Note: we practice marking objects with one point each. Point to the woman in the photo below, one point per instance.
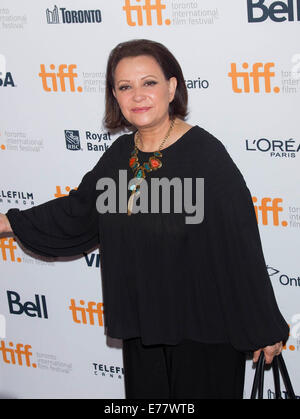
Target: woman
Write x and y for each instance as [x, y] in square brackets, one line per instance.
[189, 299]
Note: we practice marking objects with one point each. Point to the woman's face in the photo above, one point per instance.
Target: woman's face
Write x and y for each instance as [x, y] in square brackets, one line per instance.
[142, 91]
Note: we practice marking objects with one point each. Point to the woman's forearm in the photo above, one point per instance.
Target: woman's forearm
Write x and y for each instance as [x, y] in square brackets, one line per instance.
[5, 226]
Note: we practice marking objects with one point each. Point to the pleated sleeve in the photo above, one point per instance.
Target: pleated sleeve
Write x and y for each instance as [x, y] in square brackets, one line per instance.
[65, 226]
[252, 317]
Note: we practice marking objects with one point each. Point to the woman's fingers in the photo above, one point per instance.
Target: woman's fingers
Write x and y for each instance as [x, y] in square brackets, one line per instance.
[256, 355]
[269, 351]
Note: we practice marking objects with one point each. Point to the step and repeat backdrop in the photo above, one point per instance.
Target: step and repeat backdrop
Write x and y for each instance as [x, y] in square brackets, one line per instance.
[241, 63]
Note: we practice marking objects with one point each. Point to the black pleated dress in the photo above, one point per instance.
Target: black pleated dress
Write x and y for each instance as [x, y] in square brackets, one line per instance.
[166, 280]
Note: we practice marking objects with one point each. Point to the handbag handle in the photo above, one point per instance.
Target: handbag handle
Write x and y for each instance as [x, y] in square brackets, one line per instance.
[258, 382]
[286, 377]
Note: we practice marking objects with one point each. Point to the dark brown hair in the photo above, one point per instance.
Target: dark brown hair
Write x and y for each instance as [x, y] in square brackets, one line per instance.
[113, 117]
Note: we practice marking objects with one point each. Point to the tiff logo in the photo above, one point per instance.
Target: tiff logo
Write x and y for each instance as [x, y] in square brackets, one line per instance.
[58, 80]
[8, 248]
[59, 193]
[93, 310]
[259, 71]
[265, 209]
[140, 14]
[18, 355]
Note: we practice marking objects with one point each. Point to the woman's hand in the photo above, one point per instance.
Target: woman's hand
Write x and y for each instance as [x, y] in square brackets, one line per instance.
[5, 226]
[269, 351]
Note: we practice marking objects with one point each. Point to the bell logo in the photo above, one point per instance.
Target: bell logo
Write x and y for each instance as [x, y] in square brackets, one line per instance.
[36, 309]
[140, 14]
[79, 314]
[278, 11]
[269, 205]
[18, 355]
[58, 80]
[259, 71]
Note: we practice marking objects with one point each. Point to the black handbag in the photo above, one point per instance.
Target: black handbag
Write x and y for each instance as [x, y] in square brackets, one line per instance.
[278, 364]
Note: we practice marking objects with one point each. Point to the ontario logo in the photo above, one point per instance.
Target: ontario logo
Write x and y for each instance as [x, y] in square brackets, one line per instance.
[63, 15]
[284, 279]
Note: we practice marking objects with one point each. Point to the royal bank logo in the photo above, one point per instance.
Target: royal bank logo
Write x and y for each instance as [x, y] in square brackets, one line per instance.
[62, 15]
[72, 140]
[94, 141]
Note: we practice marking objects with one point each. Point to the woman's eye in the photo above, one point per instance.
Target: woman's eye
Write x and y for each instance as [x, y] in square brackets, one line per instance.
[151, 82]
[124, 87]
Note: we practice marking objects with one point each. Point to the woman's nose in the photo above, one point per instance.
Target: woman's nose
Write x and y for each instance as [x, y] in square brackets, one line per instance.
[138, 94]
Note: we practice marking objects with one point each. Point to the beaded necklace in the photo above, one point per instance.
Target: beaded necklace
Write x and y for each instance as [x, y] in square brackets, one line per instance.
[139, 170]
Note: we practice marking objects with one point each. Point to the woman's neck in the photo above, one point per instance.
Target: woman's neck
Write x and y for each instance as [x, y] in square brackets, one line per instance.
[150, 138]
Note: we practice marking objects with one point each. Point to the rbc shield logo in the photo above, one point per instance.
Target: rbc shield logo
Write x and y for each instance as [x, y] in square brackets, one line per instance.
[72, 140]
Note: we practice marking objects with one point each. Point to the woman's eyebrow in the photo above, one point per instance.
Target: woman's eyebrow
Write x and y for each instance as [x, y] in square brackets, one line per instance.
[149, 75]
[144, 77]
[119, 81]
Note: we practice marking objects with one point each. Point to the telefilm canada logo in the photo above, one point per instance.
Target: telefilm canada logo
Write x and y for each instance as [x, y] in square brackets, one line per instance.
[105, 370]
[63, 15]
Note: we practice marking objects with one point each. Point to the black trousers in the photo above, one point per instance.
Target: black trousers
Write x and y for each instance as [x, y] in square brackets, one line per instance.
[188, 370]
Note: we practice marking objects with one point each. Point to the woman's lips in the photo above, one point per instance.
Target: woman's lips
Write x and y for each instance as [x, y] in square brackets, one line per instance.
[140, 110]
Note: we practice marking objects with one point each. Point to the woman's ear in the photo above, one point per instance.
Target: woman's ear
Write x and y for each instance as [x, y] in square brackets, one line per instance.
[172, 88]
[114, 93]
